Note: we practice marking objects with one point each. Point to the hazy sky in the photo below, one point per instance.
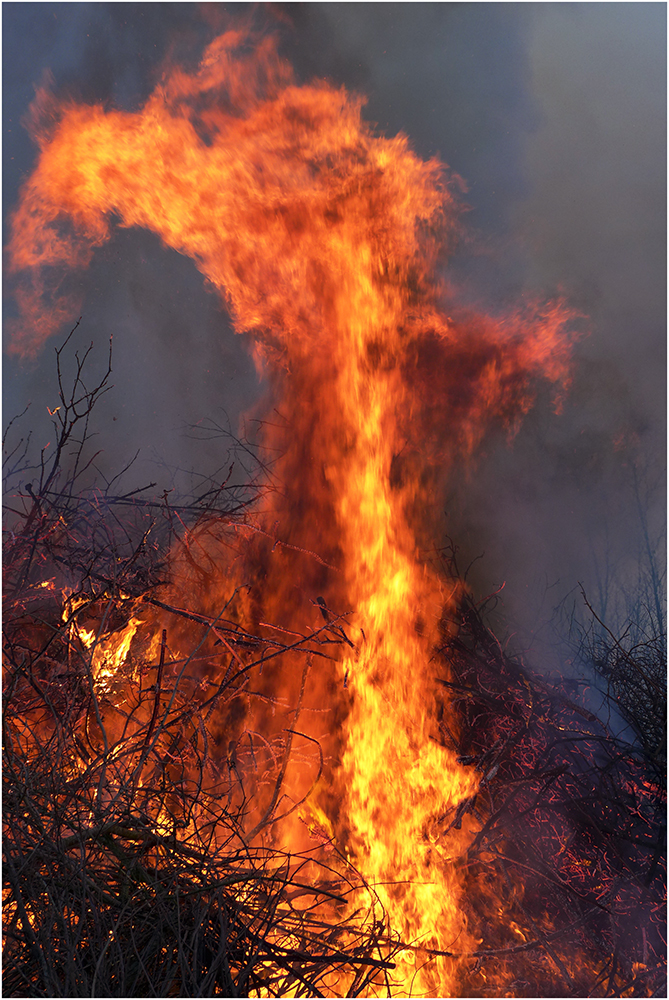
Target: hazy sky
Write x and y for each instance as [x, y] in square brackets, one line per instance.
[555, 116]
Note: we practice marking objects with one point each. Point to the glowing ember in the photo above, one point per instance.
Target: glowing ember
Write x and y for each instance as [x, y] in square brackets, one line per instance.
[321, 236]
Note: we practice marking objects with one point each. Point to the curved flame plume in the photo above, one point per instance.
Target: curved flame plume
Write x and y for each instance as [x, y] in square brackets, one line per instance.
[323, 238]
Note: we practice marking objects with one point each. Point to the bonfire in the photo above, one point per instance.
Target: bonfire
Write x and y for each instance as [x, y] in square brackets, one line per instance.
[263, 742]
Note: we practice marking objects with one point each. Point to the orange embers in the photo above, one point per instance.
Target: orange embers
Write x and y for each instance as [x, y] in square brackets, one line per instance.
[323, 239]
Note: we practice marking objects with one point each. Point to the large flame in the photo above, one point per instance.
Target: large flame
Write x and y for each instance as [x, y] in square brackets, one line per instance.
[323, 239]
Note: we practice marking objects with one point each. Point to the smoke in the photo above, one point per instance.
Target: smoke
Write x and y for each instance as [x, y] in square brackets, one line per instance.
[572, 500]
[554, 115]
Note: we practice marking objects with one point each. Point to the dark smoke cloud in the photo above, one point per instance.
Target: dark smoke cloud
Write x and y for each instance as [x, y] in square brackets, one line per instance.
[554, 114]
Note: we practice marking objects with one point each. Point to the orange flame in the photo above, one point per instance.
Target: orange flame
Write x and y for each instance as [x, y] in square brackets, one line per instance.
[324, 240]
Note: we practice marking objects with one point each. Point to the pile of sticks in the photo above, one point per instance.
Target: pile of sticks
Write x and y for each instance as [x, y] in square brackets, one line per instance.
[137, 850]
[140, 854]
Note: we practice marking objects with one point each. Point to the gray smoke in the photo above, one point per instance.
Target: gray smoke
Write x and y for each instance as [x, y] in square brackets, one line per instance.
[555, 116]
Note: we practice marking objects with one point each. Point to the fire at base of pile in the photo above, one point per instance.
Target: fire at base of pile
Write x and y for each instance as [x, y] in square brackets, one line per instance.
[322, 628]
[151, 774]
[139, 850]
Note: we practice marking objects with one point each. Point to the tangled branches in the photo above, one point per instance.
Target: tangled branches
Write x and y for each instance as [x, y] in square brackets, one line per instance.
[151, 758]
[138, 801]
[130, 870]
[128, 860]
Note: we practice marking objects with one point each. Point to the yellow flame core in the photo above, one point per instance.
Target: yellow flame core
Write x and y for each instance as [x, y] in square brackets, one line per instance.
[397, 779]
[109, 651]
